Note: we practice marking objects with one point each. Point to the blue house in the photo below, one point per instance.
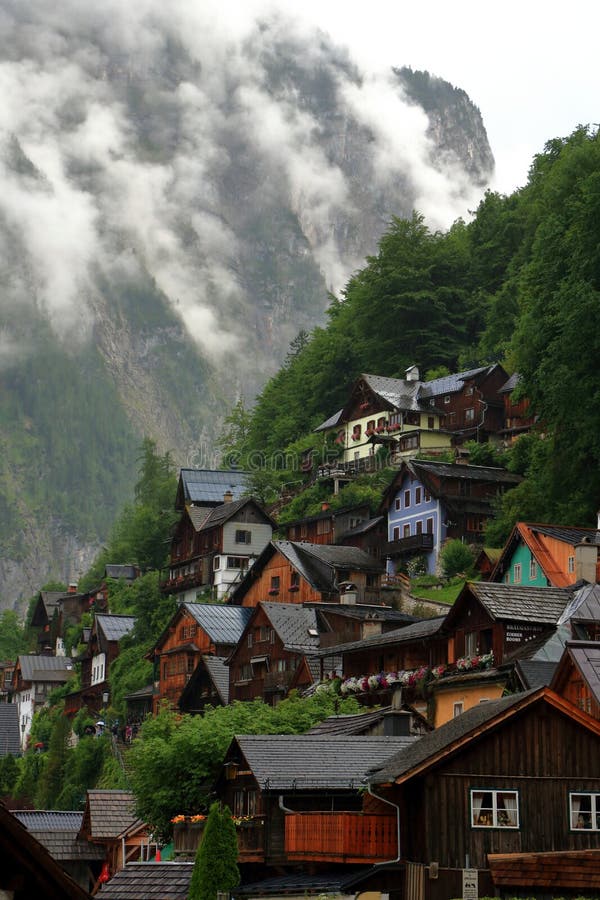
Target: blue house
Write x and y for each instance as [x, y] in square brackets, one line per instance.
[430, 502]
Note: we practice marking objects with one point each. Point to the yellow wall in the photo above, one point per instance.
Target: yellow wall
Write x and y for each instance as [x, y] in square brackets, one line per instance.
[468, 695]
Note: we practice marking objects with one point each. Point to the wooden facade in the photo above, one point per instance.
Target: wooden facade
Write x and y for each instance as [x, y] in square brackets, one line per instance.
[472, 404]
[328, 526]
[576, 676]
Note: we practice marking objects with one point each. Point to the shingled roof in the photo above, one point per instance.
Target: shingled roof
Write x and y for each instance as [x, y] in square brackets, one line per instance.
[203, 519]
[10, 738]
[149, 881]
[286, 762]
[114, 627]
[223, 624]
[422, 630]
[45, 668]
[293, 624]
[57, 831]
[107, 814]
[519, 603]
[207, 487]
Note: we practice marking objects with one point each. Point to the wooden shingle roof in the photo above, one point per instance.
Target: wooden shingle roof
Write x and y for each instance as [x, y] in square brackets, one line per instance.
[421, 630]
[314, 762]
[107, 814]
[43, 668]
[513, 602]
[57, 831]
[149, 881]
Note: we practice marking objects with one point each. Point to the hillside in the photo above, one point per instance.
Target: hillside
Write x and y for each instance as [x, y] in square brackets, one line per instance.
[174, 210]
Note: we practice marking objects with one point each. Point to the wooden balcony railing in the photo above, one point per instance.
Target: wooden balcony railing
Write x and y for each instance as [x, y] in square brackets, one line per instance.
[251, 840]
[348, 837]
[409, 544]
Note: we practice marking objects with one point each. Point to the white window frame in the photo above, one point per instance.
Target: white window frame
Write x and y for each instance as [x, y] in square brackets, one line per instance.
[533, 569]
[593, 822]
[571, 565]
[517, 573]
[458, 708]
[493, 812]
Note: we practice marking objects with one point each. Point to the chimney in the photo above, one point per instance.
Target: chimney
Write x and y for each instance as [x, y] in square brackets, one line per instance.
[324, 506]
[412, 373]
[227, 497]
[72, 588]
[586, 560]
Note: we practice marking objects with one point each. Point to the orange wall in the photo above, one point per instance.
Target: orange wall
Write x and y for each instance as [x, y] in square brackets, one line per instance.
[279, 566]
[467, 695]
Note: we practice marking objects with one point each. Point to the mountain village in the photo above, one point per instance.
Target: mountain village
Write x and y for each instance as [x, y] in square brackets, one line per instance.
[473, 766]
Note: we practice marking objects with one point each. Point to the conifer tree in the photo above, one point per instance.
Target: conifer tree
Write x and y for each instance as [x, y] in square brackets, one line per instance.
[215, 866]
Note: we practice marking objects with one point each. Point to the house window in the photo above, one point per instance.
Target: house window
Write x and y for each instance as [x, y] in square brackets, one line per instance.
[396, 534]
[216, 563]
[585, 811]
[397, 504]
[249, 638]
[237, 562]
[295, 581]
[275, 581]
[419, 526]
[469, 415]
[406, 499]
[417, 495]
[447, 399]
[427, 496]
[494, 809]
[303, 531]
[409, 443]
[471, 643]
[243, 537]
[469, 391]
[406, 531]
[459, 709]
[430, 526]
[430, 422]
[452, 418]
[571, 564]
[532, 569]
[517, 573]
[356, 431]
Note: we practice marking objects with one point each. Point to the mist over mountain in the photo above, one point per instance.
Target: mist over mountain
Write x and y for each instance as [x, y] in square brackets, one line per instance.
[179, 192]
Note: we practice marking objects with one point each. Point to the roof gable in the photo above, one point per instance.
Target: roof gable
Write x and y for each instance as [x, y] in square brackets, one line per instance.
[107, 814]
[511, 602]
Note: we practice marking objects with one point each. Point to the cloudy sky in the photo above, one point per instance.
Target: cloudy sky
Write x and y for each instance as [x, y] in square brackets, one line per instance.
[530, 65]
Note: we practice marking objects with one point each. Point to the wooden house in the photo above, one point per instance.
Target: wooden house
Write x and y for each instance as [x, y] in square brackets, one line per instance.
[28, 870]
[109, 820]
[208, 685]
[343, 624]
[34, 679]
[58, 831]
[328, 526]
[273, 643]
[212, 548]
[519, 775]
[42, 618]
[499, 618]
[577, 676]
[292, 572]
[7, 667]
[196, 630]
[471, 401]
[101, 651]
[300, 799]
[519, 418]
[206, 488]
[428, 503]
[553, 555]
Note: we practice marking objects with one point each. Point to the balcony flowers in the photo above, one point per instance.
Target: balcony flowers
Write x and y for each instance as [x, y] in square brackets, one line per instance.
[178, 820]
[244, 821]
[471, 663]
[196, 819]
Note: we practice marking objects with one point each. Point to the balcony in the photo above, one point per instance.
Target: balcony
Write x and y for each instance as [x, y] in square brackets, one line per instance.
[413, 544]
[345, 837]
[276, 681]
[251, 840]
[181, 583]
[349, 469]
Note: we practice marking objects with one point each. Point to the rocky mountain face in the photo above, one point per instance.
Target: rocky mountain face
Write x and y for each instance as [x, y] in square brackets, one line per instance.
[177, 199]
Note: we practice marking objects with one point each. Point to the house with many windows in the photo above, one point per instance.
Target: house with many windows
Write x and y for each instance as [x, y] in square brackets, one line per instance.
[429, 502]
[212, 548]
[556, 555]
[101, 650]
[514, 779]
[34, 679]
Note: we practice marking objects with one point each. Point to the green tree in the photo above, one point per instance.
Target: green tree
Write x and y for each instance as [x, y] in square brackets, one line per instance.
[13, 640]
[456, 558]
[215, 866]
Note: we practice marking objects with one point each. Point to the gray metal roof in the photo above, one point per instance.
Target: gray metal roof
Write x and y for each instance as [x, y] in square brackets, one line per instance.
[223, 513]
[422, 630]
[209, 485]
[288, 762]
[584, 606]
[49, 819]
[292, 622]
[10, 738]
[401, 394]
[450, 384]
[149, 881]
[543, 605]
[535, 673]
[572, 536]
[114, 627]
[36, 668]
[586, 657]
[546, 647]
[341, 557]
[129, 573]
[463, 472]
[223, 624]
[362, 528]
[219, 675]
[331, 422]
[443, 737]
[511, 384]
[351, 724]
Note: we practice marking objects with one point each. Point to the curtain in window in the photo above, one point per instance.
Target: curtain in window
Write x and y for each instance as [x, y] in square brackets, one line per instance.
[476, 801]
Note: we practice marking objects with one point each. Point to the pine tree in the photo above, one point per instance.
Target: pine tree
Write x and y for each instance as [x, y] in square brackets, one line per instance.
[215, 866]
